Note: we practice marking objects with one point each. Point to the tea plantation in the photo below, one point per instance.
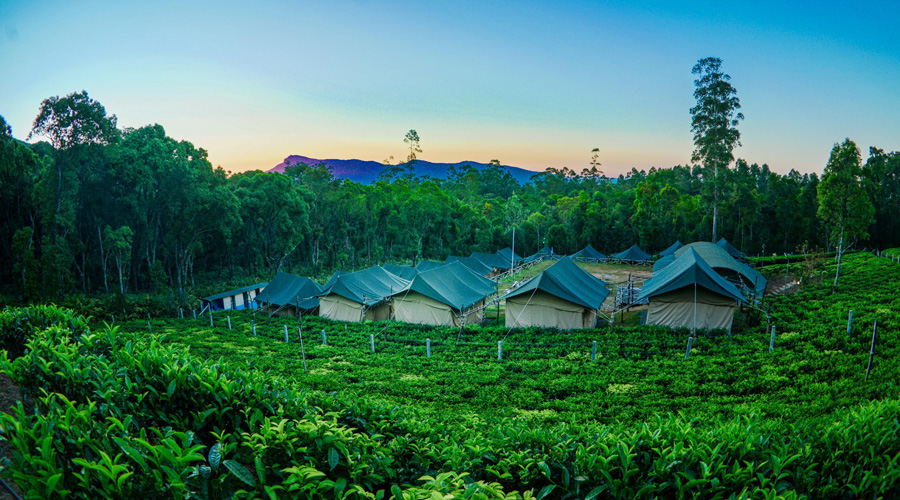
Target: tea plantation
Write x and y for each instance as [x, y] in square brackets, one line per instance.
[186, 410]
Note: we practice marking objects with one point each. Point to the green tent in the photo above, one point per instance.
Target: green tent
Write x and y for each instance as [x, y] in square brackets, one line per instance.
[491, 260]
[405, 272]
[689, 293]
[427, 265]
[734, 252]
[663, 262]
[564, 296]
[588, 254]
[633, 254]
[727, 266]
[472, 263]
[543, 254]
[290, 292]
[450, 295]
[671, 250]
[360, 296]
[507, 255]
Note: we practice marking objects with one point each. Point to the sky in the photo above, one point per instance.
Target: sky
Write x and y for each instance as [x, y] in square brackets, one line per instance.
[532, 84]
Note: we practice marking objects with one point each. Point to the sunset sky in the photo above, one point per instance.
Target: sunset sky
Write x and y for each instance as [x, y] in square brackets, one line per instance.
[533, 84]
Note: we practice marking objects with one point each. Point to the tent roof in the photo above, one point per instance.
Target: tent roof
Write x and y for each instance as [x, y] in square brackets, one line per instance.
[405, 272]
[545, 252]
[236, 291]
[734, 252]
[332, 279]
[569, 282]
[689, 268]
[427, 265]
[475, 265]
[588, 253]
[634, 253]
[718, 258]
[671, 250]
[452, 284]
[287, 289]
[369, 286]
[506, 254]
[663, 262]
[491, 260]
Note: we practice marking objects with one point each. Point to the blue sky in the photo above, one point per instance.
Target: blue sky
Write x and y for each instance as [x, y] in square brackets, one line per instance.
[533, 84]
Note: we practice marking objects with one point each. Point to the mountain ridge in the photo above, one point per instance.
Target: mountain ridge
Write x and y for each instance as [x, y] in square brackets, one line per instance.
[366, 171]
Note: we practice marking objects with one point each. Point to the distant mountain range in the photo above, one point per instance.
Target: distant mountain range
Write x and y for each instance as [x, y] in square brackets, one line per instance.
[366, 171]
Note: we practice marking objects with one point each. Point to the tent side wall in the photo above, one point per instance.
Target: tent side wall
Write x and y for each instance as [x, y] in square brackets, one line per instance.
[380, 312]
[545, 310]
[676, 309]
[414, 307]
[341, 309]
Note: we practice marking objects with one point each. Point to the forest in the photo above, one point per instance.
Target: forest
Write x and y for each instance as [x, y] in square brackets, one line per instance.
[95, 208]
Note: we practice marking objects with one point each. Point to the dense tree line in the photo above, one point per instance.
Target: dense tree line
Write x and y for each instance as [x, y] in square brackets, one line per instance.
[96, 208]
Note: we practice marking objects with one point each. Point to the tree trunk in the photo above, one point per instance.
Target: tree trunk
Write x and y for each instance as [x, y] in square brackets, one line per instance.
[102, 259]
[840, 253]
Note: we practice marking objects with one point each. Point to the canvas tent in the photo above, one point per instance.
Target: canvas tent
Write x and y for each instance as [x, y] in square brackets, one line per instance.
[405, 272]
[450, 295]
[543, 254]
[671, 250]
[290, 294]
[332, 279]
[474, 265]
[727, 266]
[734, 252]
[507, 255]
[633, 254]
[359, 296]
[491, 260]
[564, 296]
[663, 262]
[240, 298]
[427, 265]
[588, 254]
[689, 293]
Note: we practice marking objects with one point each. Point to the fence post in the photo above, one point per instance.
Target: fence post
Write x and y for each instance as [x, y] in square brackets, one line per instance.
[772, 340]
[253, 326]
[302, 352]
[372, 341]
[210, 319]
[229, 322]
[499, 350]
[427, 347]
[687, 353]
[181, 313]
[594, 351]
[849, 321]
[148, 327]
[324, 342]
[195, 314]
[113, 316]
[286, 339]
[872, 349]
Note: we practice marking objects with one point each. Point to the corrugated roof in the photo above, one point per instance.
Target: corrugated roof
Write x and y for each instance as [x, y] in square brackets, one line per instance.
[293, 290]
[369, 286]
[569, 282]
[633, 254]
[689, 268]
[452, 284]
[236, 291]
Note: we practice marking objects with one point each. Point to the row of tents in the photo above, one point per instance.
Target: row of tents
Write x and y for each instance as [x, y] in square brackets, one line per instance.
[564, 296]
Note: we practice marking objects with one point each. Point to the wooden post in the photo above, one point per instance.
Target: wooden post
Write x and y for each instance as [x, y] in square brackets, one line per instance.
[594, 352]
[772, 340]
[372, 341]
[253, 326]
[872, 349]
[210, 319]
[427, 347]
[229, 322]
[148, 327]
[499, 350]
[324, 341]
[195, 314]
[849, 321]
[286, 339]
[687, 353]
[302, 352]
